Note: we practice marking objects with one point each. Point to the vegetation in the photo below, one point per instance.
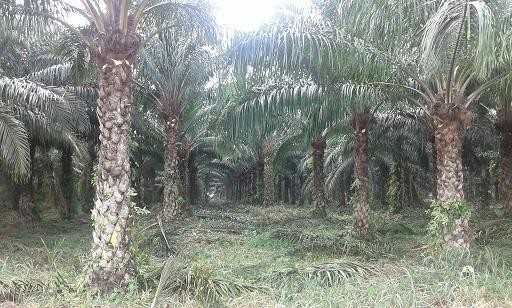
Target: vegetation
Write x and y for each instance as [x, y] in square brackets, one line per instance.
[354, 153]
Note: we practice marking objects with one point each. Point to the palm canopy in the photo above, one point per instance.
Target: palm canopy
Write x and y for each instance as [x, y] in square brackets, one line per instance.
[176, 69]
[33, 106]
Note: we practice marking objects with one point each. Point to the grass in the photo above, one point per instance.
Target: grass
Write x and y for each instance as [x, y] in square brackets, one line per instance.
[273, 257]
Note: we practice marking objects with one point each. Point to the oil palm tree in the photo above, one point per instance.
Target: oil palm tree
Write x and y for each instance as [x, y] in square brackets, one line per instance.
[176, 69]
[113, 39]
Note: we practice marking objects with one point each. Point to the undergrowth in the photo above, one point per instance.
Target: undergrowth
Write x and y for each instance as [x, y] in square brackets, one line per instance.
[265, 257]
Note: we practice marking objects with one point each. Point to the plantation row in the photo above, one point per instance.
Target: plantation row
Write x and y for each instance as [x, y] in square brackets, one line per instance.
[381, 104]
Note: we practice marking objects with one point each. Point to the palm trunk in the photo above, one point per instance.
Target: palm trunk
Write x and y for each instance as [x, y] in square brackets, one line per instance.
[26, 201]
[172, 200]
[319, 199]
[183, 155]
[67, 183]
[450, 178]
[343, 200]
[268, 176]
[260, 186]
[506, 171]
[193, 185]
[434, 165]
[504, 126]
[112, 262]
[360, 124]
[88, 189]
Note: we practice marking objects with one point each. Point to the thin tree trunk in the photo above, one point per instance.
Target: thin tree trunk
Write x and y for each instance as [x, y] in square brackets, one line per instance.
[506, 171]
[183, 156]
[172, 199]
[26, 202]
[343, 200]
[504, 126]
[360, 124]
[434, 165]
[484, 186]
[268, 176]
[260, 186]
[67, 182]
[319, 199]
[193, 185]
[450, 178]
[112, 262]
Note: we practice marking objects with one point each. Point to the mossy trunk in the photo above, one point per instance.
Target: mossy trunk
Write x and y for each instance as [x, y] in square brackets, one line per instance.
[112, 263]
[360, 123]
[450, 177]
[319, 198]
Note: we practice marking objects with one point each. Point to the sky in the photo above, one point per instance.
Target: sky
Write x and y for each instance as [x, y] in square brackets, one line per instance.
[247, 15]
[235, 15]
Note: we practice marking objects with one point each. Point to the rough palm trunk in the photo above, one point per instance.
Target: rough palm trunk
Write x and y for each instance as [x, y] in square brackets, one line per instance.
[172, 200]
[88, 188]
[360, 124]
[343, 200]
[319, 199]
[183, 156]
[26, 202]
[112, 263]
[450, 178]
[260, 186]
[268, 176]
[193, 185]
[67, 183]
[434, 165]
[504, 126]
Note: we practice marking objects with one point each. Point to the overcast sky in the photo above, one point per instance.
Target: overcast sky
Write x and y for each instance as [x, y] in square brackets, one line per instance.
[245, 15]
[242, 15]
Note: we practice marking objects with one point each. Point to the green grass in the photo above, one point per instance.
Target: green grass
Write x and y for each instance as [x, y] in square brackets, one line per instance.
[253, 257]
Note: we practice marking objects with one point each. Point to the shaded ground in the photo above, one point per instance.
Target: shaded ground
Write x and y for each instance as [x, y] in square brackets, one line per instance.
[253, 257]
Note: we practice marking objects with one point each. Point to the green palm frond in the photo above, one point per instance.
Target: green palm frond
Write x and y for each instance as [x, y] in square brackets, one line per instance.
[453, 28]
[14, 144]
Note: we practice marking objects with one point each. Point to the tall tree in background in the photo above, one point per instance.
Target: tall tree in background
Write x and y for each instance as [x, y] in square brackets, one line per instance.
[177, 68]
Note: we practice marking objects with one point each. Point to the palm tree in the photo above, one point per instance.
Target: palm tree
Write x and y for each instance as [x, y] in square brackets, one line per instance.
[176, 69]
[113, 40]
[308, 52]
[445, 80]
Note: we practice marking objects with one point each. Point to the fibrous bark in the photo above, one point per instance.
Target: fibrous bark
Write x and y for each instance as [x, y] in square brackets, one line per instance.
[172, 200]
[112, 263]
[450, 177]
[360, 123]
[319, 199]
[183, 155]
